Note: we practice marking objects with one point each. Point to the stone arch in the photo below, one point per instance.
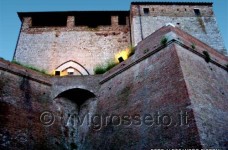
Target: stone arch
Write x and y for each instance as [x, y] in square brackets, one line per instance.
[74, 106]
[77, 95]
[57, 91]
[73, 64]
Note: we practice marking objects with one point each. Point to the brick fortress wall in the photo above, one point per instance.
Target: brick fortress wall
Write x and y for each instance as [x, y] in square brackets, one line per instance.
[204, 26]
[24, 94]
[48, 47]
[168, 80]
[165, 79]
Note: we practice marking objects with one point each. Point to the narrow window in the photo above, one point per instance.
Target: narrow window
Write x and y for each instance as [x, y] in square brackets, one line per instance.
[197, 12]
[70, 71]
[146, 11]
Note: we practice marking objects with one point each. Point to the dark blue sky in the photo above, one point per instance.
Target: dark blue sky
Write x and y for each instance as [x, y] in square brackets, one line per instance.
[10, 23]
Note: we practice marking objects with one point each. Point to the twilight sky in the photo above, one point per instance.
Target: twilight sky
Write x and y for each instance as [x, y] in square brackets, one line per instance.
[10, 23]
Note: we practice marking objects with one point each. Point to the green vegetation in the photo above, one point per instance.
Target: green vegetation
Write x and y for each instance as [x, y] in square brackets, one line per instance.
[110, 64]
[99, 69]
[164, 40]
[193, 46]
[146, 50]
[207, 56]
[102, 68]
[29, 67]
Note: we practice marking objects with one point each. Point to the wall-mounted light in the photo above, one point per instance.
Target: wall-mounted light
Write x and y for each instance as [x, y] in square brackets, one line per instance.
[120, 59]
[122, 55]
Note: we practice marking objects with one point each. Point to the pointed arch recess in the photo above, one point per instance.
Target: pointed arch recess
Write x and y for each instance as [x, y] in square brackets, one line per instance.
[71, 63]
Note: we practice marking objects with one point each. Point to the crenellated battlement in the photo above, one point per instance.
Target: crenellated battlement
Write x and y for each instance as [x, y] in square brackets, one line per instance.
[91, 38]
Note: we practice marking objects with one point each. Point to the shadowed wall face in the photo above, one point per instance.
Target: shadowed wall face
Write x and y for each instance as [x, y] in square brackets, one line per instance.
[207, 85]
[22, 100]
[72, 108]
[149, 87]
[22, 103]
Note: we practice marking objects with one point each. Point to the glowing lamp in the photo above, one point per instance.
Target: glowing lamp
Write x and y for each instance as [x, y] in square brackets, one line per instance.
[122, 55]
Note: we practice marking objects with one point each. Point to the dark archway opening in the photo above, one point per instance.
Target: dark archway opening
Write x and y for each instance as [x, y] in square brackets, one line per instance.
[78, 96]
[74, 106]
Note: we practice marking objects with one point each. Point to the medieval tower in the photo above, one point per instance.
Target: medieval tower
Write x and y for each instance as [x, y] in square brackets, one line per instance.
[44, 37]
[166, 85]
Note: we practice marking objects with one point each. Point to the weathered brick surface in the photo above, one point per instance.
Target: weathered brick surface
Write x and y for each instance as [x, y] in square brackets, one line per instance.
[22, 99]
[168, 81]
[189, 40]
[47, 48]
[203, 27]
[146, 88]
[90, 83]
[207, 85]
[153, 41]
[152, 44]
[24, 72]
[172, 10]
[26, 94]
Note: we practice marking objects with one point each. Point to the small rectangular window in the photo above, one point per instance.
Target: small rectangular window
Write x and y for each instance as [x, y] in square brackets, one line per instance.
[146, 11]
[197, 12]
[57, 73]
